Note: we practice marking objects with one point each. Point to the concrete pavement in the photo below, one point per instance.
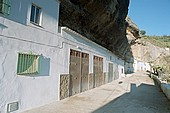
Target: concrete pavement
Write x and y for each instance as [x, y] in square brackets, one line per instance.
[134, 94]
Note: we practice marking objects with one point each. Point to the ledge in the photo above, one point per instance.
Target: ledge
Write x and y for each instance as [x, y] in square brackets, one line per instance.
[165, 87]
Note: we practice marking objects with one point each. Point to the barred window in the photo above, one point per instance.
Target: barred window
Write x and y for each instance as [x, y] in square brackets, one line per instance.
[5, 6]
[28, 64]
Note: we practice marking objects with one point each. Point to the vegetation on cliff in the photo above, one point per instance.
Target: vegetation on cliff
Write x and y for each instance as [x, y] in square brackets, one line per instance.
[162, 61]
[161, 41]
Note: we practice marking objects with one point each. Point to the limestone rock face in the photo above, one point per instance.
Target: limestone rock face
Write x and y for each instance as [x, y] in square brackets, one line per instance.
[132, 31]
[102, 21]
[143, 50]
[147, 52]
[132, 34]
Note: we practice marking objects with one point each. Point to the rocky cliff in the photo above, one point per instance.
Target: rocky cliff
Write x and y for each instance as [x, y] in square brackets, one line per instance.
[132, 34]
[102, 21]
[147, 52]
[147, 49]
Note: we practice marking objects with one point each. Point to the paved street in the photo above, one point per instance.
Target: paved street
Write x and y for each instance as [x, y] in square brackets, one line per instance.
[136, 93]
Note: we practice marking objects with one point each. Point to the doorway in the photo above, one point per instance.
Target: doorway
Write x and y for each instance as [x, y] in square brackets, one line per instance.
[98, 71]
[79, 70]
[110, 74]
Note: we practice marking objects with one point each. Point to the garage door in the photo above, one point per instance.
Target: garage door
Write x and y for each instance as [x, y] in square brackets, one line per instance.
[85, 71]
[98, 71]
[79, 69]
[110, 74]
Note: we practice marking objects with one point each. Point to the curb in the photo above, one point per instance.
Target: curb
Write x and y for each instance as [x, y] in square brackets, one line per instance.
[165, 87]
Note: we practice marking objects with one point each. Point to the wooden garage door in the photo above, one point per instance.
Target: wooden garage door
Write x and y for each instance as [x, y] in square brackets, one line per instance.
[75, 72]
[110, 74]
[116, 73]
[79, 69]
[98, 71]
[101, 78]
[85, 71]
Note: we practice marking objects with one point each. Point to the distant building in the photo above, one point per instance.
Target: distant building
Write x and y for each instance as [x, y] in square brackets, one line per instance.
[167, 49]
[141, 66]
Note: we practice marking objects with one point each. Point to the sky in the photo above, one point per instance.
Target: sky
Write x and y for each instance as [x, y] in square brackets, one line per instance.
[153, 16]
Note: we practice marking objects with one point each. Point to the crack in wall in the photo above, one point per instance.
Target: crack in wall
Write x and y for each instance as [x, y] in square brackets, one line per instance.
[2, 99]
[3, 69]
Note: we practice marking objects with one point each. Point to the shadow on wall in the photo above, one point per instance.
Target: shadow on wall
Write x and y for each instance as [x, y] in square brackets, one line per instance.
[2, 26]
[142, 99]
[44, 66]
[129, 40]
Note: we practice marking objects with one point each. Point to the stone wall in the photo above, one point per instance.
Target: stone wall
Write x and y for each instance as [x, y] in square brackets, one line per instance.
[64, 85]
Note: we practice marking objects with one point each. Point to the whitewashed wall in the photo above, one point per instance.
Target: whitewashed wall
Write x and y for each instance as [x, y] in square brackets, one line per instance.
[17, 34]
[84, 45]
[135, 65]
[129, 67]
[141, 66]
[121, 69]
[20, 12]
[33, 91]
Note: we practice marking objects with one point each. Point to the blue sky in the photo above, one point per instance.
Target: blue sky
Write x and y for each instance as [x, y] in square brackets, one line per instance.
[153, 16]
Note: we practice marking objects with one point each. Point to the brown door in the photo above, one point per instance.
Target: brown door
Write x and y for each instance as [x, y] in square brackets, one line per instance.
[75, 72]
[110, 74]
[95, 71]
[79, 69]
[85, 71]
[116, 73]
[100, 66]
[98, 71]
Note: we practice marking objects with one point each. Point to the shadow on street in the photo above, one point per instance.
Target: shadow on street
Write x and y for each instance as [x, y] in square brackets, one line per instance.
[142, 99]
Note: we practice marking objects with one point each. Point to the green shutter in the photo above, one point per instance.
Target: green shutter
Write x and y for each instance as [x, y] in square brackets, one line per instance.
[1, 6]
[8, 7]
[5, 7]
[28, 64]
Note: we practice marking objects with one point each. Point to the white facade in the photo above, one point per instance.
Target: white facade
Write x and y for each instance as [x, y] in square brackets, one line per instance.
[129, 67]
[18, 34]
[78, 42]
[141, 66]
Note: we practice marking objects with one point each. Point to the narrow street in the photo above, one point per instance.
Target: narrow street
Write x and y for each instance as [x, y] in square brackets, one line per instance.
[136, 93]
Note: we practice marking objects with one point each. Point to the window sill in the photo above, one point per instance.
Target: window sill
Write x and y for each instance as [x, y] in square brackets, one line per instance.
[4, 14]
[36, 24]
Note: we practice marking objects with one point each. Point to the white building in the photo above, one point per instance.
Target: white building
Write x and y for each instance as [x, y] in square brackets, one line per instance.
[36, 61]
[129, 68]
[141, 66]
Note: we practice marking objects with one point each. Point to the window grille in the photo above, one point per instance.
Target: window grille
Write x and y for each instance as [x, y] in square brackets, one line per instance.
[28, 64]
[5, 6]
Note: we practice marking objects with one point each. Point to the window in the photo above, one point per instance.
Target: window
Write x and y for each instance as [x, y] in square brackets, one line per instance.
[35, 14]
[5, 7]
[122, 70]
[28, 64]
